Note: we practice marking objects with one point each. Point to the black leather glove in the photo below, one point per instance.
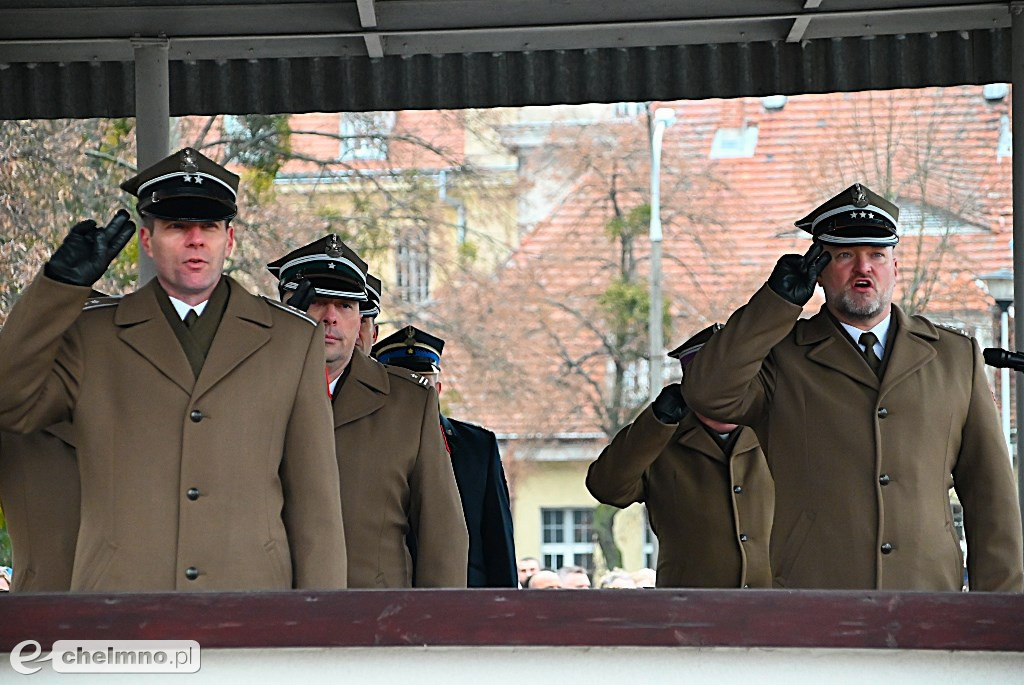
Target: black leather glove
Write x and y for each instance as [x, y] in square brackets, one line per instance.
[795, 276]
[89, 249]
[669, 407]
[303, 296]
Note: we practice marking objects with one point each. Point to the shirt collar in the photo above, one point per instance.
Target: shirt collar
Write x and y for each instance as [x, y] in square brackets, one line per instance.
[182, 307]
[881, 332]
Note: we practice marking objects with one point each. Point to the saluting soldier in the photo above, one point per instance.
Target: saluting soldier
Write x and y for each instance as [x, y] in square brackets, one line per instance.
[477, 464]
[706, 484]
[201, 423]
[396, 478]
[867, 417]
[40, 497]
[369, 311]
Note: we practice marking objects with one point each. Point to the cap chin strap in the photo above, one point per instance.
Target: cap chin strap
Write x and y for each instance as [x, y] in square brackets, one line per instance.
[829, 239]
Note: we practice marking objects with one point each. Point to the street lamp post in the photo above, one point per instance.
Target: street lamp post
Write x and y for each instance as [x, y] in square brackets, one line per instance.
[663, 117]
[1000, 287]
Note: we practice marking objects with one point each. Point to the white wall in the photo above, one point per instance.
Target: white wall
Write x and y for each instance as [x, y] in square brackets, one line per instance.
[517, 665]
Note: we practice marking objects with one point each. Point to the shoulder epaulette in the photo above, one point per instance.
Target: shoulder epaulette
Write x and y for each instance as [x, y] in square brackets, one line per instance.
[290, 309]
[408, 375]
[954, 329]
[100, 302]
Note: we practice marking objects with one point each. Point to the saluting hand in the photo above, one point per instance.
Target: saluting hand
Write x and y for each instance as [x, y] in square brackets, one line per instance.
[89, 249]
[303, 296]
[795, 276]
[669, 407]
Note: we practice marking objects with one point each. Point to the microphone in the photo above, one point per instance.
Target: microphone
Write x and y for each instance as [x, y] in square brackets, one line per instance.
[1001, 359]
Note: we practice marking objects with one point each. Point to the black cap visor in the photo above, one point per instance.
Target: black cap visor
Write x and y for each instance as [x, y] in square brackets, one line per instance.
[188, 204]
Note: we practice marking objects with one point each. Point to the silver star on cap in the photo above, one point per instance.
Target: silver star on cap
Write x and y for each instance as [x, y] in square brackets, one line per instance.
[331, 265]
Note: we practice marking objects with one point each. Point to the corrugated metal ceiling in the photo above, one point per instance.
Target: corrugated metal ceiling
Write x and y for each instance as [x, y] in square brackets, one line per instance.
[73, 58]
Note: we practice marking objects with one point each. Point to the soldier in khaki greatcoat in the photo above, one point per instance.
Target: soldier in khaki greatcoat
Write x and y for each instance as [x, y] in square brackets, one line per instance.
[476, 460]
[397, 484]
[867, 417]
[202, 428]
[39, 494]
[706, 484]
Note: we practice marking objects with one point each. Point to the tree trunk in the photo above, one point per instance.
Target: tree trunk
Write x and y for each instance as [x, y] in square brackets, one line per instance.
[604, 524]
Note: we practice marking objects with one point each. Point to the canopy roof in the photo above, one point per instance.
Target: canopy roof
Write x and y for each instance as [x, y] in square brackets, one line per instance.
[73, 58]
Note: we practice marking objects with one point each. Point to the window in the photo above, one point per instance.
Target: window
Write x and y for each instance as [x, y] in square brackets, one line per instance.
[567, 538]
[628, 110]
[412, 267]
[364, 135]
[730, 143]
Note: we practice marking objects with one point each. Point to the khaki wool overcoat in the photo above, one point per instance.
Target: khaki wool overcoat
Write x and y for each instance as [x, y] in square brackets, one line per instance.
[39, 494]
[712, 513]
[225, 482]
[863, 467]
[396, 479]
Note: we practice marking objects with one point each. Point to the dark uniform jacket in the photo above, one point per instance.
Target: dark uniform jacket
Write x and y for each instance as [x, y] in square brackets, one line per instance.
[863, 467]
[712, 513]
[485, 503]
[39, 493]
[396, 479]
[227, 481]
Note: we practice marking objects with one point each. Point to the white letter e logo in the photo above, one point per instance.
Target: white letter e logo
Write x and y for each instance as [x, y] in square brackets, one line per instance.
[17, 659]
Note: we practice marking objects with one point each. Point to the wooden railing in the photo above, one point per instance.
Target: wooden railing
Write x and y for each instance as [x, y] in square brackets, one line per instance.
[656, 618]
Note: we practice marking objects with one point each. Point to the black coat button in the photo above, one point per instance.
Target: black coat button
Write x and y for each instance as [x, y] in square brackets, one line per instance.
[196, 415]
[886, 548]
[884, 479]
[744, 537]
[737, 489]
[883, 412]
[191, 573]
[192, 494]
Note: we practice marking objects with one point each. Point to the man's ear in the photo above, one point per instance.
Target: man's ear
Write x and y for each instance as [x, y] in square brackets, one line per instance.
[145, 238]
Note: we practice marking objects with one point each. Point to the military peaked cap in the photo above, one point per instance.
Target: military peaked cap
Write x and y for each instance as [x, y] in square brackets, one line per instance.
[371, 307]
[689, 349]
[185, 186]
[856, 216]
[333, 268]
[410, 348]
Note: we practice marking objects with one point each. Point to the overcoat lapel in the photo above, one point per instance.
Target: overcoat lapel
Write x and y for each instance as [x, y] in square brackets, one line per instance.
[145, 329]
[911, 349]
[244, 329]
[364, 392]
[827, 346]
[694, 437]
[747, 442]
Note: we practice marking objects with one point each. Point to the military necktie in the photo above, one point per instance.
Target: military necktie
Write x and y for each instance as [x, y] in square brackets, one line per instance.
[191, 318]
[868, 340]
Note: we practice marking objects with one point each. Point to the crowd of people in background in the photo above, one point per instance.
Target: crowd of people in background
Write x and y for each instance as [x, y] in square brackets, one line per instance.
[534, 577]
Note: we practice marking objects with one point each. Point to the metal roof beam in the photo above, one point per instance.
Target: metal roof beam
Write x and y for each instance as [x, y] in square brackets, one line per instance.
[192, 31]
[368, 20]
